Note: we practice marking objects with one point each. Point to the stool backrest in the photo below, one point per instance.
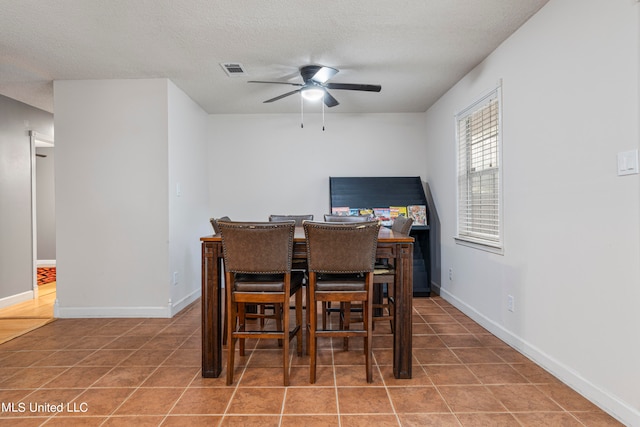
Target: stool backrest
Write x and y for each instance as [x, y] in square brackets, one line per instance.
[257, 247]
[214, 223]
[341, 247]
[345, 218]
[297, 218]
[402, 224]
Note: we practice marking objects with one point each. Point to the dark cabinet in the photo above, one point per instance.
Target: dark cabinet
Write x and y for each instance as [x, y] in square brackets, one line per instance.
[380, 192]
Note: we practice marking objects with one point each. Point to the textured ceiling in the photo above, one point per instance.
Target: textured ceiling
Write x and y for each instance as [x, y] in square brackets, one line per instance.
[415, 49]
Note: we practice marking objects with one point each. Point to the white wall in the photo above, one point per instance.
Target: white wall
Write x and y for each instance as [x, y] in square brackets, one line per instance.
[572, 226]
[111, 198]
[266, 164]
[188, 211]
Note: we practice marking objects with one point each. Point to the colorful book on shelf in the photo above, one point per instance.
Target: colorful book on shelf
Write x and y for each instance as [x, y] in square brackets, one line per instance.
[341, 211]
[383, 215]
[366, 211]
[418, 213]
[396, 211]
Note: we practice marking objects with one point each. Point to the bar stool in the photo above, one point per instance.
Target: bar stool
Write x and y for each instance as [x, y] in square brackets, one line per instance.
[341, 257]
[257, 259]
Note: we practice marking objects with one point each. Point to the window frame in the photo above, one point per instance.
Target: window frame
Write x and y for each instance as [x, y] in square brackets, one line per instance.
[465, 235]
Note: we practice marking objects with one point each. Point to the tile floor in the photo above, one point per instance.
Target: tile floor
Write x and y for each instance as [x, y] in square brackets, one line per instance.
[146, 372]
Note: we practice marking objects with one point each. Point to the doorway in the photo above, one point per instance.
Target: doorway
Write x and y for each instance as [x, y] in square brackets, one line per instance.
[43, 213]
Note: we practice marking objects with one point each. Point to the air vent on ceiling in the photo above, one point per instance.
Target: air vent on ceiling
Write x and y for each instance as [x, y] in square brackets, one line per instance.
[233, 69]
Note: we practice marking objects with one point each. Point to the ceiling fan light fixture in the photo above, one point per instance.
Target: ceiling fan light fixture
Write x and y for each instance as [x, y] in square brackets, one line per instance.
[312, 93]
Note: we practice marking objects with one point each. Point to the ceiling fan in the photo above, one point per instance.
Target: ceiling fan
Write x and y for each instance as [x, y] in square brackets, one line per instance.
[315, 78]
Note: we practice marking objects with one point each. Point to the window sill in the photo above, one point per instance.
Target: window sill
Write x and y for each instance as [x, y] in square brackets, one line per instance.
[483, 246]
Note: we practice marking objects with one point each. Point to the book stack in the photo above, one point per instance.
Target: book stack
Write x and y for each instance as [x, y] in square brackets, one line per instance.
[386, 215]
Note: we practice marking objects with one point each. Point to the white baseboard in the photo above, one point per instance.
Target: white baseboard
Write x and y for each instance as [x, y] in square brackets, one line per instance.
[178, 306]
[97, 312]
[16, 299]
[617, 408]
[46, 263]
[132, 312]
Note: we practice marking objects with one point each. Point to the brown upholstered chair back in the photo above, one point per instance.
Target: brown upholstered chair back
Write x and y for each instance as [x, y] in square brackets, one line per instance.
[343, 218]
[257, 247]
[341, 247]
[214, 223]
[297, 218]
[402, 224]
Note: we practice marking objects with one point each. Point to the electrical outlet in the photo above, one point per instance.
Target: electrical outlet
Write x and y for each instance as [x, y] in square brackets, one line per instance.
[175, 278]
[451, 274]
[510, 303]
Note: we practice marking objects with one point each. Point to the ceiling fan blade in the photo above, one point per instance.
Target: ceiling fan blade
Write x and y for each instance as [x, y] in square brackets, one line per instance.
[324, 74]
[354, 86]
[284, 95]
[279, 83]
[329, 100]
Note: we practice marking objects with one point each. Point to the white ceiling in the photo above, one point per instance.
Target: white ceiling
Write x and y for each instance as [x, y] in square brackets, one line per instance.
[415, 49]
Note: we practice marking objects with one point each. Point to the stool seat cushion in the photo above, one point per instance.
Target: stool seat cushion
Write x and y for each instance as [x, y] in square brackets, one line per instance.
[266, 282]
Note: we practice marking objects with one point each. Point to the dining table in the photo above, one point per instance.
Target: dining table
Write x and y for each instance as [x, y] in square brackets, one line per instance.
[394, 246]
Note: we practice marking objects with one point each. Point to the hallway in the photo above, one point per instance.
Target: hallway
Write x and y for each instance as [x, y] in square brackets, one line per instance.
[26, 316]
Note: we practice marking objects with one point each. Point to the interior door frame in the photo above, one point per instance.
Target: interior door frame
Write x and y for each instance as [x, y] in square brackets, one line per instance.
[35, 140]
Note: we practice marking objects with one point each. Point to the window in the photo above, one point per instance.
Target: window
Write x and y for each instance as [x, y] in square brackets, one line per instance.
[479, 178]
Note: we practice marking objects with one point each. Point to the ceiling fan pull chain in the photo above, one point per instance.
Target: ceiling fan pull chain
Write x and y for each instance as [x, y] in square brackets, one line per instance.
[323, 117]
[301, 111]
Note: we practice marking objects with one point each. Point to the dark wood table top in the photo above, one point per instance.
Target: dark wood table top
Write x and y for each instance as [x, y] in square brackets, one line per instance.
[384, 235]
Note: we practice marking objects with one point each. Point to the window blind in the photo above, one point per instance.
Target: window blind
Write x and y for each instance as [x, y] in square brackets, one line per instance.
[479, 186]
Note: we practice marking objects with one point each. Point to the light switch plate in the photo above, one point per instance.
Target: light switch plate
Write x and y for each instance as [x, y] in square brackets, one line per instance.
[627, 162]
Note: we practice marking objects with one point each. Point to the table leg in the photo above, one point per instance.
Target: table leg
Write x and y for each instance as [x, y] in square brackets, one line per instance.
[211, 309]
[403, 310]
